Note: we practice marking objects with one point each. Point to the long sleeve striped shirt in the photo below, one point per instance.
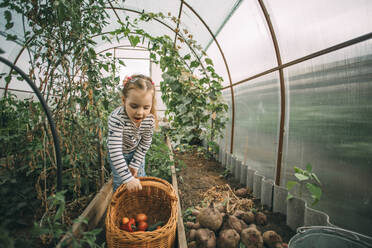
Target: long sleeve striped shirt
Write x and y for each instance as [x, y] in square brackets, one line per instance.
[125, 137]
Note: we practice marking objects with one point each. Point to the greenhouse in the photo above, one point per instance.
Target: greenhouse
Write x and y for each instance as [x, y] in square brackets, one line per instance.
[186, 123]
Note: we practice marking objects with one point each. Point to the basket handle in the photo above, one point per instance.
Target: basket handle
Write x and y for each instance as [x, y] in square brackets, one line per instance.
[164, 185]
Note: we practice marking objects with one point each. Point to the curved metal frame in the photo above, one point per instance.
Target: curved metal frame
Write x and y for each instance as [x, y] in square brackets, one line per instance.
[279, 68]
[282, 94]
[49, 117]
[166, 25]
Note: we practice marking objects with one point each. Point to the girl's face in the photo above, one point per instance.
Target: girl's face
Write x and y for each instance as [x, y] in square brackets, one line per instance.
[138, 105]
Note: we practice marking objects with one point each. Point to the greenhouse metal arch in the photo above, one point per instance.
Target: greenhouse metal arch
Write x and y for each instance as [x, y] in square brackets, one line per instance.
[282, 113]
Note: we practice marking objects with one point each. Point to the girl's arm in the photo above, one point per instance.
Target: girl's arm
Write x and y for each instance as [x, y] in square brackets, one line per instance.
[145, 142]
[115, 145]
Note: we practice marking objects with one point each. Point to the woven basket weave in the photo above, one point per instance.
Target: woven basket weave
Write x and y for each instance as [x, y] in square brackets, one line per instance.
[157, 200]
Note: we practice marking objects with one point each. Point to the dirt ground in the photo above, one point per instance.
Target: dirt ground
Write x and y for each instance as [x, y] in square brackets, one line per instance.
[198, 174]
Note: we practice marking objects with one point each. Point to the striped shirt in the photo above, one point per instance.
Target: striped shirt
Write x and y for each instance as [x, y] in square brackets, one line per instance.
[125, 137]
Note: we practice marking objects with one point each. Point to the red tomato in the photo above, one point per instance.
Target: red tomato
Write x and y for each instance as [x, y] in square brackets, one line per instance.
[141, 217]
[142, 226]
[125, 220]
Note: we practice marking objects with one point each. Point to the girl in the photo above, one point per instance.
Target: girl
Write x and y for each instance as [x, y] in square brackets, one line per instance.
[130, 129]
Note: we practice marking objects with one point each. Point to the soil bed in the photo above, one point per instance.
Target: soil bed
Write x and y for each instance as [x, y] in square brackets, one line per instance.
[198, 174]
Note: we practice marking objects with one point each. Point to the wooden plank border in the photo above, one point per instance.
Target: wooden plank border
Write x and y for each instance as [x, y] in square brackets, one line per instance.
[93, 213]
[182, 243]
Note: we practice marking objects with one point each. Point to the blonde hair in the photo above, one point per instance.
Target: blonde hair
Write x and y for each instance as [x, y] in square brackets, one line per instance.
[142, 82]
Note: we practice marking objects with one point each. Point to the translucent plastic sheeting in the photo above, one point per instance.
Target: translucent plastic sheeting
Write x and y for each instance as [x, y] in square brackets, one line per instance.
[154, 27]
[219, 65]
[10, 49]
[329, 126]
[134, 67]
[304, 27]
[226, 140]
[257, 123]
[246, 42]
[131, 53]
[22, 60]
[160, 107]
[155, 73]
[124, 46]
[17, 29]
[163, 6]
[214, 19]
[195, 27]
[113, 23]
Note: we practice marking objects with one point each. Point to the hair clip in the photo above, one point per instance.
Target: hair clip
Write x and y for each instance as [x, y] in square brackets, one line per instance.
[152, 82]
[126, 79]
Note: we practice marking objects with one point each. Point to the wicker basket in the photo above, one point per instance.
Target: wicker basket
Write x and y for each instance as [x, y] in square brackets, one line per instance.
[157, 200]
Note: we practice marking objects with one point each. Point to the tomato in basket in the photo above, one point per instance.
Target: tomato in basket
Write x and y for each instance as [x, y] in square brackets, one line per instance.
[142, 226]
[141, 217]
[125, 220]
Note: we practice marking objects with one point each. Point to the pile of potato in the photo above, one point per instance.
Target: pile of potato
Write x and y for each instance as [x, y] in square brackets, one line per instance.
[215, 227]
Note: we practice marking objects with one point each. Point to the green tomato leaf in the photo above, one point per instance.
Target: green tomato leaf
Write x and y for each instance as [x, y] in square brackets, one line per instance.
[315, 177]
[11, 37]
[208, 61]
[194, 64]
[8, 78]
[289, 196]
[291, 184]
[301, 177]
[121, 62]
[9, 25]
[316, 192]
[210, 68]
[134, 40]
[309, 167]
[7, 15]
[186, 57]
[105, 66]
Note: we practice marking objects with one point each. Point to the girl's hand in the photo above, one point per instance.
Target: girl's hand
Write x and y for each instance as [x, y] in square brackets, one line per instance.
[134, 172]
[134, 185]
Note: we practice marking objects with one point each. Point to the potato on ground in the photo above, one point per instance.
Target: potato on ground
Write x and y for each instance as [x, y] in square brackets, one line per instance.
[243, 224]
[192, 244]
[205, 238]
[192, 234]
[247, 216]
[232, 222]
[195, 212]
[228, 238]
[251, 237]
[192, 225]
[242, 192]
[261, 218]
[272, 239]
[210, 218]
